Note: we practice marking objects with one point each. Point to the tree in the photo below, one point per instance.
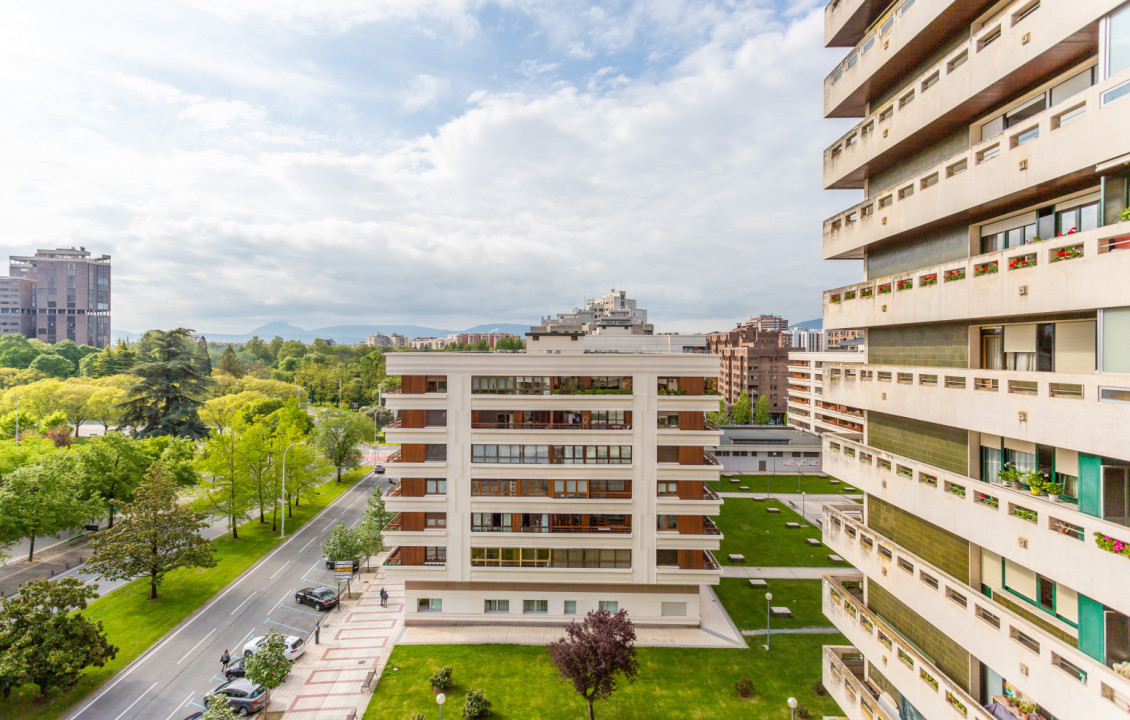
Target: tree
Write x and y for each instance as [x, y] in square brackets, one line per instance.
[18, 356]
[74, 399]
[155, 535]
[594, 653]
[167, 397]
[53, 365]
[256, 462]
[103, 407]
[41, 499]
[761, 413]
[218, 708]
[221, 412]
[69, 350]
[268, 666]
[722, 417]
[342, 544]
[373, 522]
[203, 357]
[112, 467]
[229, 363]
[337, 436]
[45, 640]
[742, 409]
[227, 489]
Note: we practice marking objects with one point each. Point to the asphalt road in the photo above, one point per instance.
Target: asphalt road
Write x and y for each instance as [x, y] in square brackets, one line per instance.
[170, 680]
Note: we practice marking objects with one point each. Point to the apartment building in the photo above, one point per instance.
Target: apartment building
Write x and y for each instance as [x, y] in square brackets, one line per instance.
[17, 306]
[754, 361]
[809, 340]
[71, 296]
[991, 146]
[772, 449]
[809, 410]
[536, 486]
[614, 312]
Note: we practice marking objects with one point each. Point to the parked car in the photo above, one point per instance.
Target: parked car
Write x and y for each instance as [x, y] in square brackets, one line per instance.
[320, 598]
[246, 697]
[330, 564]
[380, 469]
[295, 646]
[235, 669]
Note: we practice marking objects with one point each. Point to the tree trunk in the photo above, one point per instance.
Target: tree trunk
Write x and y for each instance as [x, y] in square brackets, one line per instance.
[591, 716]
[153, 585]
[339, 473]
[234, 529]
[31, 550]
[78, 424]
[111, 516]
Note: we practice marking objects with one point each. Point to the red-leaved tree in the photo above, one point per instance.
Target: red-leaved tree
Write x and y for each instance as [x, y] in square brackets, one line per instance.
[595, 652]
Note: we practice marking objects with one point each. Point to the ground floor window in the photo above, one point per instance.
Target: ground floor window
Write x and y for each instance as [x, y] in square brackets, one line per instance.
[535, 606]
[609, 605]
[429, 605]
[570, 607]
[673, 609]
[496, 606]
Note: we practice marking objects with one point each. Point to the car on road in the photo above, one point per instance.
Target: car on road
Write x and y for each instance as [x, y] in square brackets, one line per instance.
[246, 697]
[320, 598]
[295, 646]
[330, 564]
[380, 469]
[235, 669]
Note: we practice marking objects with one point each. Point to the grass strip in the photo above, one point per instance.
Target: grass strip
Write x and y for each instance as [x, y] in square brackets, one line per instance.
[747, 605]
[764, 538]
[135, 623]
[691, 683]
[783, 484]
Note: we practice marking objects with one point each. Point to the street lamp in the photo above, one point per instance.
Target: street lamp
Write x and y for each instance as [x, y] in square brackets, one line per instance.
[288, 447]
[440, 699]
[768, 614]
[802, 496]
[792, 708]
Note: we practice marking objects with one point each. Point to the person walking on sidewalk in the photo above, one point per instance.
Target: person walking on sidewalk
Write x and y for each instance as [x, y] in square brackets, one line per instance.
[224, 660]
[384, 598]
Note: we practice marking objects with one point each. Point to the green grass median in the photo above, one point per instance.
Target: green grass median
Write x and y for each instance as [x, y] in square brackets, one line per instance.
[134, 623]
[747, 606]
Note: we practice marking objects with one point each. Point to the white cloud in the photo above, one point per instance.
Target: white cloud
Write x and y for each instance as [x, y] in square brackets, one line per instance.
[424, 91]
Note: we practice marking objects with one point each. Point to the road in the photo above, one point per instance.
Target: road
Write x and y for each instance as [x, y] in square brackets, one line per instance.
[170, 680]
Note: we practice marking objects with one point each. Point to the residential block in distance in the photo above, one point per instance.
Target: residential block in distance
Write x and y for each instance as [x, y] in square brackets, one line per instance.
[992, 150]
[808, 408]
[70, 297]
[536, 486]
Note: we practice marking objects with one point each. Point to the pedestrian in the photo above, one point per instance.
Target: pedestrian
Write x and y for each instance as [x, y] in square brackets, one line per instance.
[224, 660]
[384, 598]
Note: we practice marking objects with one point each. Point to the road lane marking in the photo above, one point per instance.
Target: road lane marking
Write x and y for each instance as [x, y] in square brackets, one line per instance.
[237, 607]
[280, 606]
[196, 646]
[276, 572]
[307, 543]
[119, 717]
[180, 707]
[276, 622]
[318, 583]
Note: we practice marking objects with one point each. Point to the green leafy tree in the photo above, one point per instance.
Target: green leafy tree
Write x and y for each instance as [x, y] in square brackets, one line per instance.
[41, 499]
[761, 412]
[177, 455]
[373, 522]
[268, 666]
[103, 407]
[227, 489]
[229, 363]
[338, 436]
[18, 356]
[69, 350]
[722, 417]
[53, 365]
[29, 450]
[74, 399]
[111, 468]
[342, 544]
[742, 409]
[155, 535]
[203, 357]
[46, 640]
[256, 461]
[167, 397]
[305, 470]
[218, 707]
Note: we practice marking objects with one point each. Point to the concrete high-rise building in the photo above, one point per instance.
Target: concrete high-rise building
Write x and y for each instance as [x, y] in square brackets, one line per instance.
[993, 154]
[755, 362]
[535, 486]
[613, 312]
[71, 298]
[809, 410]
[17, 306]
[768, 323]
[808, 340]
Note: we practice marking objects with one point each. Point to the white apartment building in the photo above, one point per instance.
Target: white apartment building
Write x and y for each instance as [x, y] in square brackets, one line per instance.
[808, 408]
[536, 486]
[991, 147]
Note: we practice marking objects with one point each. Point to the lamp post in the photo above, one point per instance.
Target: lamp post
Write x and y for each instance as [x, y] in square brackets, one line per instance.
[803, 495]
[792, 708]
[440, 699]
[768, 615]
[288, 447]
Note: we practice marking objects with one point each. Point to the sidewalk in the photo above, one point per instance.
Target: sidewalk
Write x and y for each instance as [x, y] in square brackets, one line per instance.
[53, 561]
[783, 573]
[334, 679]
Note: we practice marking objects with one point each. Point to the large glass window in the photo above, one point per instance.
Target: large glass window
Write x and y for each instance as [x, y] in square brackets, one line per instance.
[1077, 219]
[991, 463]
[1118, 41]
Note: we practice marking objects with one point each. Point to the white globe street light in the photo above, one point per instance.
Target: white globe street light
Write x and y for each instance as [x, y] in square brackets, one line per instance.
[440, 699]
[768, 598]
[792, 707]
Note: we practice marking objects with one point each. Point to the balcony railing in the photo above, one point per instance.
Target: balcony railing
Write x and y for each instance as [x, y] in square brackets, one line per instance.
[393, 560]
[394, 458]
[394, 491]
[559, 529]
[843, 670]
[851, 538]
[709, 528]
[548, 426]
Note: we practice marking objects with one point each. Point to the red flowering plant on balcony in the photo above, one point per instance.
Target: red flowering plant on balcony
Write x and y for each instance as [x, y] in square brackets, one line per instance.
[867, 292]
[905, 284]
[958, 274]
[985, 268]
[885, 289]
[928, 280]
[1106, 542]
[1072, 231]
[1022, 261]
[1067, 253]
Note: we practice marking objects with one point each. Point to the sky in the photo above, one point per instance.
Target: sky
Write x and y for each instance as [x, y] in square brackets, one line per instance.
[438, 162]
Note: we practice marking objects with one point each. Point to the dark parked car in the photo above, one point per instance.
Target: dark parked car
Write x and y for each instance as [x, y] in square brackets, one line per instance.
[235, 669]
[380, 469]
[320, 598]
[245, 696]
[356, 564]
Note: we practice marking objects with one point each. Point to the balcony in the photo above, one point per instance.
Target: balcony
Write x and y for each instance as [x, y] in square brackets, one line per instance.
[845, 681]
[845, 21]
[1057, 409]
[1060, 540]
[709, 505]
[899, 39]
[394, 567]
[1051, 153]
[1060, 677]
[1072, 273]
[548, 426]
[971, 80]
[709, 574]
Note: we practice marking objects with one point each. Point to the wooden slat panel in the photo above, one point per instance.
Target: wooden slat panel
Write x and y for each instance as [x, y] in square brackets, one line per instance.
[413, 384]
[690, 524]
[411, 555]
[692, 421]
[413, 487]
[692, 385]
[690, 490]
[413, 453]
[412, 521]
[690, 559]
[691, 455]
[413, 418]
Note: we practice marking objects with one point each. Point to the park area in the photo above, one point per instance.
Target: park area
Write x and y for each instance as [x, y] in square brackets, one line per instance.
[783, 484]
[750, 528]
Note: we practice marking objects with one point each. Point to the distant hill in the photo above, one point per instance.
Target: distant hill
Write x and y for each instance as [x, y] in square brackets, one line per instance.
[817, 324]
[341, 334]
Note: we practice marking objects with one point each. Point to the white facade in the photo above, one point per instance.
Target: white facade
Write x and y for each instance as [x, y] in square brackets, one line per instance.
[768, 450]
[808, 408]
[475, 517]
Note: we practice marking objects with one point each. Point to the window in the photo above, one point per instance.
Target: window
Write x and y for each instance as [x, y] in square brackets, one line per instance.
[570, 607]
[931, 81]
[906, 99]
[667, 488]
[990, 37]
[435, 554]
[667, 522]
[535, 607]
[429, 605]
[435, 487]
[957, 168]
[1026, 640]
[1077, 219]
[667, 558]
[609, 605]
[957, 61]
[988, 153]
[496, 606]
[673, 609]
[1045, 588]
[1118, 42]
[435, 520]
[1026, 136]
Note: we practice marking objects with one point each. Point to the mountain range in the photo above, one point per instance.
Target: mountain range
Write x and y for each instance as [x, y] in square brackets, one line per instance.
[817, 324]
[341, 334]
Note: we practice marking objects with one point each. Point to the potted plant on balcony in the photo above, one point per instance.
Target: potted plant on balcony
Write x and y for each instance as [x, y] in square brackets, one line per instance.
[1009, 475]
[1053, 489]
[1035, 481]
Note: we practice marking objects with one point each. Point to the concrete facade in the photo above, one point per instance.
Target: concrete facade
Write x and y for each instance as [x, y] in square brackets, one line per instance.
[994, 393]
[755, 362]
[69, 296]
[808, 410]
[754, 449]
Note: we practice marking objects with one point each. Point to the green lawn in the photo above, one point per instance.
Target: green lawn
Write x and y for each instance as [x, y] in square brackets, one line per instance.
[746, 605]
[747, 529]
[780, 484]
[134, 623]
[690, 683]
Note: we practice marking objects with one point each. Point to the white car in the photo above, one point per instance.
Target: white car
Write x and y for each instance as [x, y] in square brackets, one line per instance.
[295, 646]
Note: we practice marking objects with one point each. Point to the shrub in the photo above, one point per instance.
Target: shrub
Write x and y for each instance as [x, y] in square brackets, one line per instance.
[417, 716]
[744, 688]
[818, 688]
[441, 679]
[802, 711]
[477, 705]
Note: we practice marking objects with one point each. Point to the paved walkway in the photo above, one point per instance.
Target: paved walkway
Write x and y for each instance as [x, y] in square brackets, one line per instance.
[793, 631]
[781, 573]
[335, 677]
